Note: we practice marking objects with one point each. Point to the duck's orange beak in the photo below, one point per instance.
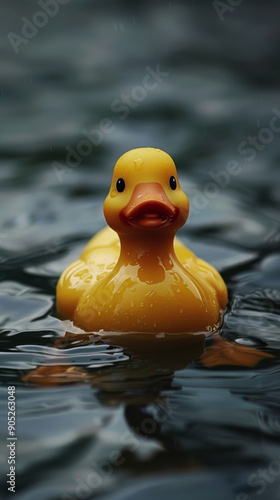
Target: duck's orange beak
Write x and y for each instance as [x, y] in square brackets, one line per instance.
[149, 207]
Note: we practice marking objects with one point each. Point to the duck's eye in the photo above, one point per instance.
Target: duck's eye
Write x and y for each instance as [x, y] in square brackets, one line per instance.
[120, 185]
[172, 182]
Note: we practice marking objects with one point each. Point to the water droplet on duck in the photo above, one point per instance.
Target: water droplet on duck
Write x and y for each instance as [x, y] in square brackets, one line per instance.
[109, 267]
[177, 278]
[138, 164]
[113, 193]
[132, 304]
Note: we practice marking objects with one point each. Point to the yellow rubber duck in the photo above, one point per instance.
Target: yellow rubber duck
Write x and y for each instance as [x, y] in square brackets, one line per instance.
[134, 277]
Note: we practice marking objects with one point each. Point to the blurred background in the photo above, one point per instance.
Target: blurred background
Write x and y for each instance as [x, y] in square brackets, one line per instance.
[72, 69]
[81, 82]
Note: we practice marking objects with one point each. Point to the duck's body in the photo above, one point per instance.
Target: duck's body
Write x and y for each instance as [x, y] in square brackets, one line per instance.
[139, 280]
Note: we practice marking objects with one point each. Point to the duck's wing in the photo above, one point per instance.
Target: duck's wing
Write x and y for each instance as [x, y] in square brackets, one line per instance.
[75, 279]
[184, 255]
[102, 253]
[99, 257]
[197, 266]
[104, 239]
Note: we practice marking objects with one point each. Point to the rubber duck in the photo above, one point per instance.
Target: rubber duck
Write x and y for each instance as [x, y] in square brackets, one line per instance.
[136, 276]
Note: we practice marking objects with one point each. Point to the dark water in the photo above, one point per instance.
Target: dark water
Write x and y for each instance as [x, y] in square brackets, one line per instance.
[109, 422]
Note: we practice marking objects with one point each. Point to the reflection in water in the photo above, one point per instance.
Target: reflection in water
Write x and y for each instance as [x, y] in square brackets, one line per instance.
[153, 356]
[157, 354]
[144, 385]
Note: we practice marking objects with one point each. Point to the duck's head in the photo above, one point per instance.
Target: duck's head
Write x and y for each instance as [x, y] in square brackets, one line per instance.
[145, 194]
